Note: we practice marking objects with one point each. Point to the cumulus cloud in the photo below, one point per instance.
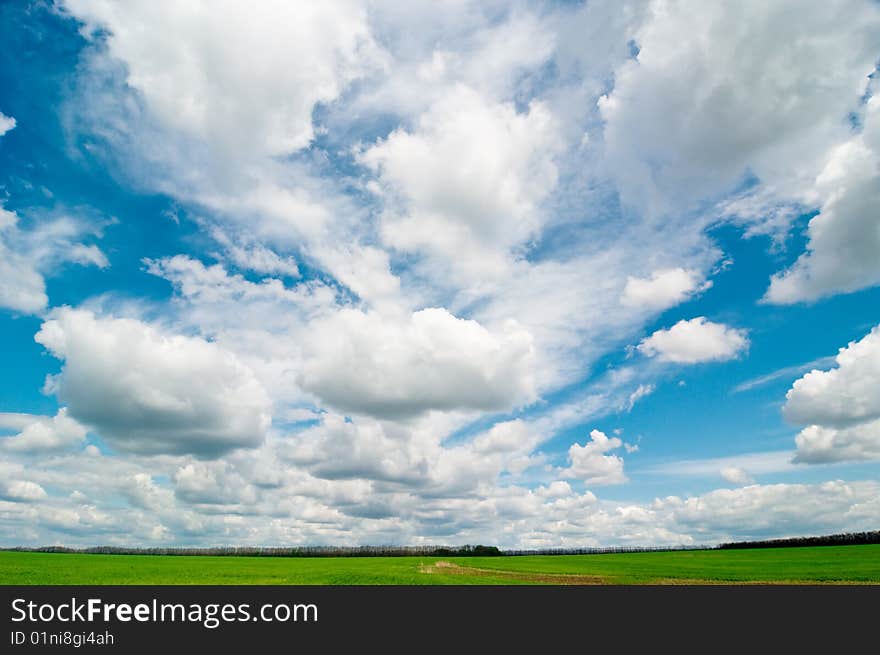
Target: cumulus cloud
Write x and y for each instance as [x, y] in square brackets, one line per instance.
[506, 436]
[736, 475]
[44, 433]
[399, 461]
[844, 237]
[366, 270]
[840, 406]
[663, 289]
[767, 118]
[399, 367]
[436, 500]
[818, 444]
[590, 463]
[147, 391]
[7, 123]
[844, 395]
[212, 483]
[337, 449]
[438, 46]
[223, 120]
[242, 78]
[142, 491]
[767, 114]
[467, 180]
[778, 509]
[209, 130]
[231, 308]
[694, 341]
[21, 491]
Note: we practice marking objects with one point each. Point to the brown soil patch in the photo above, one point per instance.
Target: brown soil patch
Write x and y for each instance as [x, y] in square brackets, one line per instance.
[450, 568]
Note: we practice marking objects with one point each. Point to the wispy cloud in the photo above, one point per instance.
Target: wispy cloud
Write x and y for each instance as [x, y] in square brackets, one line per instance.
[774, 461]
[787, 372]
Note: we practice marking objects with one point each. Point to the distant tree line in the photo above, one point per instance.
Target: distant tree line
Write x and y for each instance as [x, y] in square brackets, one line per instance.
[844, 539]
[603, 550]
[296, 551]
[849, 538]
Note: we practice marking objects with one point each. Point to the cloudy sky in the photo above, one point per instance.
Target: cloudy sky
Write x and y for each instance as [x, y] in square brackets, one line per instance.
[528, 274]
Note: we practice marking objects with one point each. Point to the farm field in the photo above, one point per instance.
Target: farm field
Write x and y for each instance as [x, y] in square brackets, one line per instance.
[817, 565]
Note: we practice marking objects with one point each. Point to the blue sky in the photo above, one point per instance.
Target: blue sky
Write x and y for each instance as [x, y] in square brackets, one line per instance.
[514, 273]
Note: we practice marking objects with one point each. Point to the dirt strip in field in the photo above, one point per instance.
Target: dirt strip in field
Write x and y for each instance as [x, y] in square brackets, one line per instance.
[449, 568]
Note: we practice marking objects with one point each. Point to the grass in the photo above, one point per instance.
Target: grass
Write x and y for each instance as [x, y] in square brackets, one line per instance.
[826, 564]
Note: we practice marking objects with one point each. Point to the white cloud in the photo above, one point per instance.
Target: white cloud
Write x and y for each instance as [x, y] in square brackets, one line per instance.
[845, 395]
[695, 341]
[436, 46]
[679, 132]
[504, 437]
[22, 288]
[818, 444]
[556, 489]
[642, 391]
[255, 257]
[262, 322]
[45, 433]
[571, 306]
[665, 288]
[387, 487]
[366, 270]
[399, 459]
[590, 463]
[736, 475]
[467, 181]
[207, 285]
[761, 463]
[212, 483]
[514, 143]
[15, 422]
[210, 121]
[844, 238]
[208, 128]
[702, 104]
[785, 372]
[255, 319]
[396, 367]
[21, 491]
[27, 255]
[147, 391]
[840, 407]
[244, 78]
[340, 450]
[777, 509]
[142, 491]
[7, 123]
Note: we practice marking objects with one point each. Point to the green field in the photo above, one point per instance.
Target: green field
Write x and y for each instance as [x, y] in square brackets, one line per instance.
[827, 564]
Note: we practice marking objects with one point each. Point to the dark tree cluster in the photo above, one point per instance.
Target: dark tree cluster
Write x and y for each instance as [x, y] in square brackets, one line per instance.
[845, 539]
